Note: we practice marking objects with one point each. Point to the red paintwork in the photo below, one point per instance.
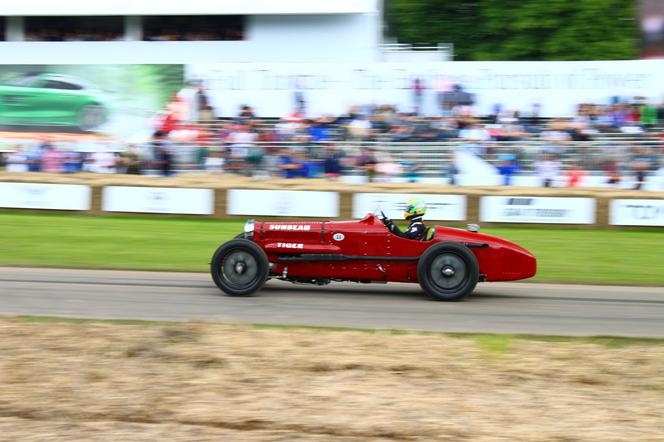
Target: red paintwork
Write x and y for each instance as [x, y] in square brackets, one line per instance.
[502, 260]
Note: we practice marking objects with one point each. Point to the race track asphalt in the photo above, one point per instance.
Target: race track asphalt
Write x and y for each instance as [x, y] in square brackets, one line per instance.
[551, 309]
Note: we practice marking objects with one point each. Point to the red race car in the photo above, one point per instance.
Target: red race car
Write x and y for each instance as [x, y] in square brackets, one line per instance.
[447, 264]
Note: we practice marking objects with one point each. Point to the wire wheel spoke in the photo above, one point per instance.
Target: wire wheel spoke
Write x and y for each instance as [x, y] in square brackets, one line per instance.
[448, 271]
[239, 268]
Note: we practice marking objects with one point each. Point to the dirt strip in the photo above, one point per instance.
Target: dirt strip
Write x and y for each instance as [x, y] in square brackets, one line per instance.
[198, 381]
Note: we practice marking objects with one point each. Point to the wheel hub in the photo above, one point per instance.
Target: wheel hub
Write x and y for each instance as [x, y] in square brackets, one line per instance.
[447, 271]
[240, 268]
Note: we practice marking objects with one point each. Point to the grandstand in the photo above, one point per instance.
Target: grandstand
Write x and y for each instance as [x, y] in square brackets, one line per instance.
[153, 31]
[314, 60]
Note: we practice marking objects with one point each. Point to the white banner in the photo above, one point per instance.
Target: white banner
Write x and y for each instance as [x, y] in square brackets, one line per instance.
[282, 203]
[541, 210]
[557, 87]
[439, 207]
[158, 200]
[636, 212]
[45, 196]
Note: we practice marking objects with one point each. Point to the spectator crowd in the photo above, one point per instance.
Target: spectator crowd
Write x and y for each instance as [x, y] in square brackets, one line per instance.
[189, 136]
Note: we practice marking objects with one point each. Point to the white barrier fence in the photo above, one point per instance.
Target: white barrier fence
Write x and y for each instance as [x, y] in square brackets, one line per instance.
[158, 200]
[537, 210]
[282, 203]
[45, 196]
[636, 212]
[327, 204]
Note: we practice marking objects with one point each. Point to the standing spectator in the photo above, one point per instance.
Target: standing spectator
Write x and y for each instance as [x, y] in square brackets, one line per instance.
[214, 162]
[360, 127]
[641, 163]
[129, 161]
[101, 161]
[548, 169]
[161, 153]
[72, 161]
[51, 159]
[612, 171]
[418, 95]
[366, 161]
[411, 169]
[17, 161]
[648, 116]
[290, 165]
[332, 162]
[575, 174]
[508, 168]
[33, 159]
[243, 149]
[189, 96]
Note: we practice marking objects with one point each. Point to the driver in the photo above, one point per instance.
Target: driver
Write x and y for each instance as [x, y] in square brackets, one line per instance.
[415, 210]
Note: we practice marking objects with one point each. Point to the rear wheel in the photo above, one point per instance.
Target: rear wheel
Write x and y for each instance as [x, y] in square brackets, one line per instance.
[239, 267]
[448, 271]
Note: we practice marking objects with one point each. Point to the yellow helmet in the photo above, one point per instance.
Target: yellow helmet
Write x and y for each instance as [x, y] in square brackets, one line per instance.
[415, 207]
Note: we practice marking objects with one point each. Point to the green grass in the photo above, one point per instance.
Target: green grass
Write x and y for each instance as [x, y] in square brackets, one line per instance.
[55, 240]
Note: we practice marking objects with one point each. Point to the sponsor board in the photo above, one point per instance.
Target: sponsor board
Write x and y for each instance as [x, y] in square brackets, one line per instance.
[439, 207]
[636, 212]
[45, 196]
[539, 210]
[158, 200]
[282, 203]
[328, 88]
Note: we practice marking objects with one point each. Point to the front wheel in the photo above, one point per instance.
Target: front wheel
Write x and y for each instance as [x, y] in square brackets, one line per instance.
[239, 267]
[448, 271]
[90, 117]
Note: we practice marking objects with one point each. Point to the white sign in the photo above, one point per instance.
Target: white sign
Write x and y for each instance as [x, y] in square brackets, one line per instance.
[282, 203]
[439, 207]
[158, 200]
[330, 88]
[636, 212]
[45, 196]
[541, 210]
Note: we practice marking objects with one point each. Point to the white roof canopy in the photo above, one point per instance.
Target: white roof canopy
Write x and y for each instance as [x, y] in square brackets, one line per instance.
[189, 7]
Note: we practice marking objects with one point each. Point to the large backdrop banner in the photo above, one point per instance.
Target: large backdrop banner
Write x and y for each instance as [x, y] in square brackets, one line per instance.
[114, 100]
[274, 89]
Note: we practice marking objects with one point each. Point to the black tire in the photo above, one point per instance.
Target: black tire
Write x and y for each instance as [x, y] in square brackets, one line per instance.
[448, 271]
[90, 117]
[239, 267]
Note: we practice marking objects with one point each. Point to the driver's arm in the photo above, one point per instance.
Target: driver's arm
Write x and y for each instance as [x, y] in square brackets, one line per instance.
[415, 230]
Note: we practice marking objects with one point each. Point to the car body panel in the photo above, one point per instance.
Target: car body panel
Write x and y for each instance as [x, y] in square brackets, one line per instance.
[364, 250]
[45, 100]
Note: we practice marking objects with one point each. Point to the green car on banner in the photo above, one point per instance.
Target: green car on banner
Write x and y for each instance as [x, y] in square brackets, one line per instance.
[51, 100]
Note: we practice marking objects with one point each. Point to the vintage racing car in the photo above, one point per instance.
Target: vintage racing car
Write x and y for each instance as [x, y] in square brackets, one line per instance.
[447, 264]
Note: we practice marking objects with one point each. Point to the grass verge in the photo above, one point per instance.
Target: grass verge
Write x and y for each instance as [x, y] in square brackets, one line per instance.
[176, 244]
[489, 342]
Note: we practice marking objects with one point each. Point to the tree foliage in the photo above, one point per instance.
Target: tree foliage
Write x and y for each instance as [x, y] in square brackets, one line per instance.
[519, 29]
